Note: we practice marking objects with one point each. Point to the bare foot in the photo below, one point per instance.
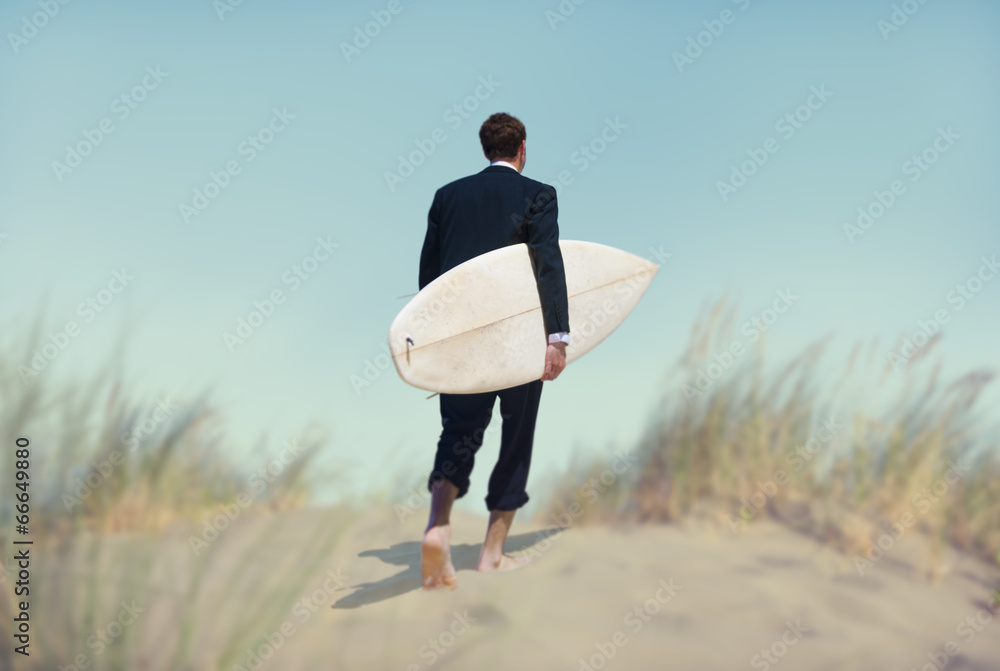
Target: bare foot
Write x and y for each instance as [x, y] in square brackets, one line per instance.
[436, 568]
[503, 563]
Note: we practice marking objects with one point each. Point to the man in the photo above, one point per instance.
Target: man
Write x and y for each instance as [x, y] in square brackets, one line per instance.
[471, 216]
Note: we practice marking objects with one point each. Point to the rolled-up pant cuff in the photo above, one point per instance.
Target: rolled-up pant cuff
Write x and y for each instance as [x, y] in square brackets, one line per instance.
[436, 478]
[507, 502]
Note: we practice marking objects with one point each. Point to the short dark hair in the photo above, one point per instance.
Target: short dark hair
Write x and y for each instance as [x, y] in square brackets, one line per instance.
[501, 136]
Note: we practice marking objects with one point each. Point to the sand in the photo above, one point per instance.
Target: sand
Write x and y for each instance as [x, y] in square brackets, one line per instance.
[683, 597]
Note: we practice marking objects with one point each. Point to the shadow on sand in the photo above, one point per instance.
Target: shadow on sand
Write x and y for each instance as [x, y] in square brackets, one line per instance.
[407, 554]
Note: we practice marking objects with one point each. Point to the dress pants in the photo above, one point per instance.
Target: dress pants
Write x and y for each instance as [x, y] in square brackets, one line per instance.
[464, 419]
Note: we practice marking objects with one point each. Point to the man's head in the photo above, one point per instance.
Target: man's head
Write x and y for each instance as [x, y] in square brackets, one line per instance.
[503, 139]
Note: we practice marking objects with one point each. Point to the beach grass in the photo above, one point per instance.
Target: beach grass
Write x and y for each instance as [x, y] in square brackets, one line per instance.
[117, 482]
[113, 482]
[846, 457]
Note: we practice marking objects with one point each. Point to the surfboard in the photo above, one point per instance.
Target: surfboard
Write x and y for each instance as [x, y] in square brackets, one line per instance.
[479, 326]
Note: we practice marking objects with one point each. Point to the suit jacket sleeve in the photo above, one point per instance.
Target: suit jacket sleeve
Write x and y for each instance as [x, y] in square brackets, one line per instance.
[430, 255]
[546, 258]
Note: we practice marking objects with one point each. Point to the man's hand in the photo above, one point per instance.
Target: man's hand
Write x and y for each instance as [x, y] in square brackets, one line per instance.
[555, 360]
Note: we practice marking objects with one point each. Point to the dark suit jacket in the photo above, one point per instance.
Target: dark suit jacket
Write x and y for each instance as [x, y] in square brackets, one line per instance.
[492, 209]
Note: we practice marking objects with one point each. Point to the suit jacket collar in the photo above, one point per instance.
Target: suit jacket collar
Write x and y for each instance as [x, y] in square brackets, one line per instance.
[499, 168]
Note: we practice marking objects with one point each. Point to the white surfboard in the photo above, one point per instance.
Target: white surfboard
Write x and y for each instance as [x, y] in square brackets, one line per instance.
[478, 327]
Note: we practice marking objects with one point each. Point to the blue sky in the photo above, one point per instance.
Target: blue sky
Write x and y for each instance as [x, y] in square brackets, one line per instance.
[302, 132]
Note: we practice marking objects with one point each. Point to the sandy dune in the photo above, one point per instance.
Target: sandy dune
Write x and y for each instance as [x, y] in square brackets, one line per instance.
[665, 597]
[650, 597]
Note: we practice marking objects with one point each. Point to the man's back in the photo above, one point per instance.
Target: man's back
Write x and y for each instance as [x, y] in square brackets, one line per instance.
[492, 209]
